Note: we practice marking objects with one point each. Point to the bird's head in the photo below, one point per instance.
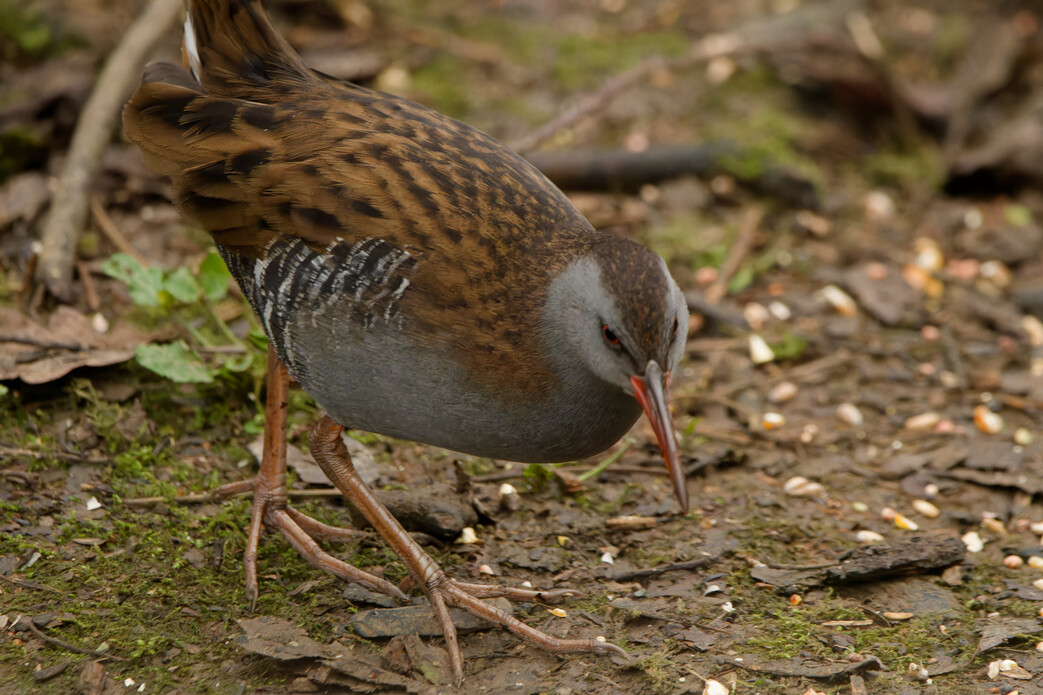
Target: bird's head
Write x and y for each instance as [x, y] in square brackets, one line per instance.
[623, 316]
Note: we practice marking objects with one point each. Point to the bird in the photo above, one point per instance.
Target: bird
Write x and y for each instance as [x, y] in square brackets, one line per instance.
[415, 276]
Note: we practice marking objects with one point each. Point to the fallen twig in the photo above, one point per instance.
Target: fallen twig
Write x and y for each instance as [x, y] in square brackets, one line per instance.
[72, 647]
[751, 221]
[707, 49]
[697, 564]
[112, 232]
[115, 82]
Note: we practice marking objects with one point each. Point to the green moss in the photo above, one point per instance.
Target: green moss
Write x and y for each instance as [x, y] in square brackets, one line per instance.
[585, 61]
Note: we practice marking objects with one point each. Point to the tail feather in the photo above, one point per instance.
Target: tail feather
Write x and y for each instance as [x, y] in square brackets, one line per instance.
[232, 48]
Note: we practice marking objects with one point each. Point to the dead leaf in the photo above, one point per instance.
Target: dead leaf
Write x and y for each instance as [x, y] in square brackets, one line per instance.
[999, 630]
[39, 354]
[280, 639]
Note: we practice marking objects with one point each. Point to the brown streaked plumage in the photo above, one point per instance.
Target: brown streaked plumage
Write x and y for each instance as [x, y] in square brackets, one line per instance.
[414, 275]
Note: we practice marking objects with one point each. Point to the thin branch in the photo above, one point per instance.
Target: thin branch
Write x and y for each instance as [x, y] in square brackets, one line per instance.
[751, 221]
[705, 50]
[72, 647]
[93, 129]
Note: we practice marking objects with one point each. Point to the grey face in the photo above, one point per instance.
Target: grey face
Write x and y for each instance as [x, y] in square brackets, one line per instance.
[615, 335]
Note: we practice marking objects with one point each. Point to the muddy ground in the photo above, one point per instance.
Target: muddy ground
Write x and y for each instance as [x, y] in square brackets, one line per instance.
[856, 221]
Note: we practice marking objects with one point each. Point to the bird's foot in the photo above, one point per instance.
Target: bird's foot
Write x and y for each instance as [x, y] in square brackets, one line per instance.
[332, 456]
[300, 530]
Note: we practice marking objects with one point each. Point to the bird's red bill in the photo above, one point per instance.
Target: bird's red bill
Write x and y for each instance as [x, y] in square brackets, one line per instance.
[651, 392]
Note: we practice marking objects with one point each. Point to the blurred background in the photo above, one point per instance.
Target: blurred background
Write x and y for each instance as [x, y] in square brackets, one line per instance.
[849, 194]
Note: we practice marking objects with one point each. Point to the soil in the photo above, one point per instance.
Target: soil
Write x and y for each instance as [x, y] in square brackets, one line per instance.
[859, 408]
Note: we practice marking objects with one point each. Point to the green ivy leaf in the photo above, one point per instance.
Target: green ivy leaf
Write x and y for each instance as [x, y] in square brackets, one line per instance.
[144, 284]
[182, 286]
[213, 276]
[175, 361]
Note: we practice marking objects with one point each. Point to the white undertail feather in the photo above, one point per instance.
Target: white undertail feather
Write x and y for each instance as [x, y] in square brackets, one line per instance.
[191, 45]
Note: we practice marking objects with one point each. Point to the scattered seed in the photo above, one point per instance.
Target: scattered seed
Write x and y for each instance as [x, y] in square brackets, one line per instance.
[467, 536]
[923, 421]
[929, 255]
[564, 541]
[905, 523]
[631, 522]
[840, 300]
[849, 413]
[485, 569]
[973, 541]
[866, 536]
[712, 589]
[888, 514]
[1035, 562]
[1036, 527]
[559, 612]
[808, 433]
[600, 638]
[607, 558]
[897, 615]
[930, 490]
[993, 670]
[782, 392]
[780, 311]
[720, 69]
[876, 271]
[799, 486]
[860, 506]
[994, 525]
[1038, 584]
[756, 315]
[997, 273]
[1013, 561]
[1033, 328]
[879, 205]
[506, 490]
[816, 224]
[93, 504]
[795, 600]
[987, 421]
[99, 323]
[1023, 436]
[760, 351]
[526, 584]
[925, 508]
[713, 687]
[771, 421]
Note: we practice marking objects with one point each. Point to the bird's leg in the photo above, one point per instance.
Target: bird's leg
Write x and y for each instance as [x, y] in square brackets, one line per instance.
[332, 456]
[269, 502]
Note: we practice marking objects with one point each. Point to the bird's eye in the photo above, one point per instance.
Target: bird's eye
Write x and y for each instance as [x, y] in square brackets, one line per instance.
[610, 336]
